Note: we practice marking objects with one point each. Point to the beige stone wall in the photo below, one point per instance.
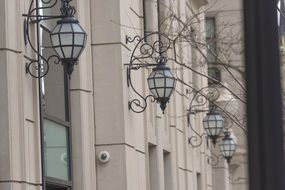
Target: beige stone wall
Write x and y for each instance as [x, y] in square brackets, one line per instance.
[149, 151]
[143, 145]
[19, 132]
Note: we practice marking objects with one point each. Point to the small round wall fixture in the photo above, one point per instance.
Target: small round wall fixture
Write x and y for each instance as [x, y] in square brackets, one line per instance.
[213, 124]
[68, 40]
[161, 83]
[228, 147]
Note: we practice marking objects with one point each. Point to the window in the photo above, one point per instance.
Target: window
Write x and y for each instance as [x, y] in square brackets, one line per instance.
[151, 9]
[153, 168]
[49, 187]
[56, 150]
[199, 181]
[211, 40]
[215, 73]
[167, 171]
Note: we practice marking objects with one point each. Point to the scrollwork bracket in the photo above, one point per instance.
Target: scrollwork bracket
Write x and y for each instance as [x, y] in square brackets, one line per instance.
[146, 54]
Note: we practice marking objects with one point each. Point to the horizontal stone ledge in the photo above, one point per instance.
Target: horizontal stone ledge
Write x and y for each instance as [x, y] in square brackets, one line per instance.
[80, 90]
[120, 144]
[11, 50]
[21, 182]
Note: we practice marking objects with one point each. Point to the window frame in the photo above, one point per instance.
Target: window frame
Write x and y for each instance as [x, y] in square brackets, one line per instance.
[50, 180]
[212, 65]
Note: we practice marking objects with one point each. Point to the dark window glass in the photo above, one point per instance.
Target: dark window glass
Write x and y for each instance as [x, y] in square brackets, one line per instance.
[214, 73]
[56, 188]
[211, 39]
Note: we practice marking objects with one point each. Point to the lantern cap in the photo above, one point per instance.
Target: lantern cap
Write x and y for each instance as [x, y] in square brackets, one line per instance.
[212, 112]
[161, 67]
[227, 136]
[67, 19]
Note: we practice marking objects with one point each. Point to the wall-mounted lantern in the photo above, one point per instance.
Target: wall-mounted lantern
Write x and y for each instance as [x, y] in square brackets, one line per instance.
[161, 83]
[213, 124]
[227, 147]
[68, 38]
[149, 53]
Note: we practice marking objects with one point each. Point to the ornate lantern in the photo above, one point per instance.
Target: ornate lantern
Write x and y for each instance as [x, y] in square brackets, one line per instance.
[68, 38]
[161, 83]
[228, 147]
[213, 124]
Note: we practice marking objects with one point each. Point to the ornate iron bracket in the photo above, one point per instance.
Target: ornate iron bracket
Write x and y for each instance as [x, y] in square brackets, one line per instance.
[147, 53]
[39, 66]
[214, 159]
[197, 105]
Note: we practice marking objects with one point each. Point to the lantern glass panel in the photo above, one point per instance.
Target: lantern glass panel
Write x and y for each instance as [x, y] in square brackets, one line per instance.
[168, 74]
[66, 28]
[206, 125]
[56, 29]
[160, 92]
[77, 28]
[169, 82]
[76, 51]
[159, 82]
[55, 40]
[220, 123]
[151, 83]
[214, 131]
[66, 39]
[67, 52]
[212, 117]
[168, 92]
[59, 52]
[78, 39]
[153, 91]
[152, 74]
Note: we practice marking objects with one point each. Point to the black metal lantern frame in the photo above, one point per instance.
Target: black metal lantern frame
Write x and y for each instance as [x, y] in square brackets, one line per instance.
[149, 52]
[39, 67]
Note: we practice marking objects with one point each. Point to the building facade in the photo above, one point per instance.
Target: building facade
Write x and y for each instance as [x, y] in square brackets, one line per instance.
[227, 19]
[58, 133]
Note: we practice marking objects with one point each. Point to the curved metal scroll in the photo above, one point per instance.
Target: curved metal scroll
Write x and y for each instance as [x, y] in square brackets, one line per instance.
[200, 99]
[214, 159]
[39, 67]
[148, 51]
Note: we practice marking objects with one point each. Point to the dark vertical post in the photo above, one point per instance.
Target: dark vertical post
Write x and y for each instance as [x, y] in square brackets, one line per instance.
[41, 118]
[265, 133]
[67, 95]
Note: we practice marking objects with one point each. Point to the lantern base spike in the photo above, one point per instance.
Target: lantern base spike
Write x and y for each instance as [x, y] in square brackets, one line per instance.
[163, 106]
[214, 141]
